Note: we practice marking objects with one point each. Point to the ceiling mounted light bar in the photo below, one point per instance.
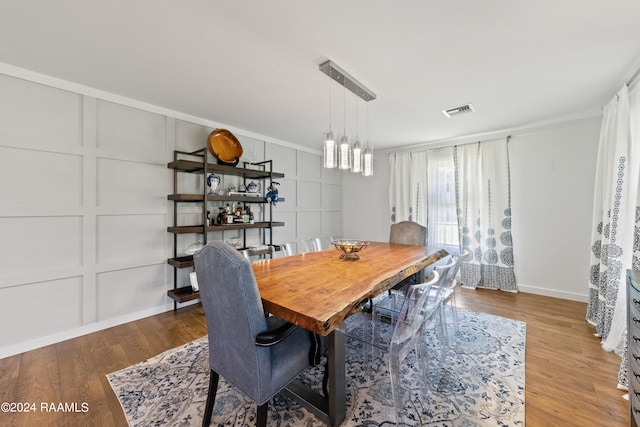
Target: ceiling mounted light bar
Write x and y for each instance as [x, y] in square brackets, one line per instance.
[342, 77]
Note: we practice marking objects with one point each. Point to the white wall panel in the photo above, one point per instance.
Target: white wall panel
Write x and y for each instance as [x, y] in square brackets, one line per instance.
[309, 225]
[130, 290]
[124, 237]
[284, 159]
[288, 232]
[366, 202]
[39, 309]
[33, 244]
[309, 195]
[131, 132]
[332, 225]
[332, 197]
[252, 149]
[333, 176]
[288, 189]
[190, 136]
[50, 180]
[189, 182]
[36, 113]
[124, 184]
[309, 165]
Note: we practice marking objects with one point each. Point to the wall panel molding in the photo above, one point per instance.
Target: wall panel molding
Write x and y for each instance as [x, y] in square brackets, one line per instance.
[108, 180]
[89, 294]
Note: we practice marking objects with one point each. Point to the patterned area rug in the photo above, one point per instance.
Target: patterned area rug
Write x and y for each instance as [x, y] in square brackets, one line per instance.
[481, 383]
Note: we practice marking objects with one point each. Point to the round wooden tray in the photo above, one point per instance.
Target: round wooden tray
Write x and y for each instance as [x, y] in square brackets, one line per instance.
[225, 146]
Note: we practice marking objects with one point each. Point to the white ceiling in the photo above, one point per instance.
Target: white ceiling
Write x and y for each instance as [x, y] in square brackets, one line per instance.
[253, 64]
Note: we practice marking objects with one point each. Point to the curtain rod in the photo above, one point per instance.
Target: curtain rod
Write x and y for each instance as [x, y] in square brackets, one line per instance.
[478, 142]
[508, 137]
[633, 77]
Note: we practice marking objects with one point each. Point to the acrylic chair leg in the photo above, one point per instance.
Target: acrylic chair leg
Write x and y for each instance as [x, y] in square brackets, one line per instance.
[396, 389]
[443, 331]
[370, 339]
[454, 308]
[423, 363]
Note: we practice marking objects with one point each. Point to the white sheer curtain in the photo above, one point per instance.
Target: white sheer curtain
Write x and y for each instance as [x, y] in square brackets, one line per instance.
[408, 187]
[442, 228]
[484, 209]
[615, 239]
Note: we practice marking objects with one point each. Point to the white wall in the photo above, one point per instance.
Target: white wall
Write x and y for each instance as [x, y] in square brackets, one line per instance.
[552, 179]
[366, 202]
[84, 212]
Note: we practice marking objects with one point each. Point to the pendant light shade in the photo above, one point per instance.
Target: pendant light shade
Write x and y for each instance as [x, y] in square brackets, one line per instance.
[344, 153]
[367, 161]
[330, 160]
[356, 160]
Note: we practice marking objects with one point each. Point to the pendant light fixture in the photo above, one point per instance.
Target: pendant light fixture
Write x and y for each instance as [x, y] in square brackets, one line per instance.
[344, 149]
[330, 149]
[356, 151]
[367, 154]
[343, 155]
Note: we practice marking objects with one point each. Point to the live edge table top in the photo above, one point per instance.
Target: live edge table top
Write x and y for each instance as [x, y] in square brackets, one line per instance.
[318, 290]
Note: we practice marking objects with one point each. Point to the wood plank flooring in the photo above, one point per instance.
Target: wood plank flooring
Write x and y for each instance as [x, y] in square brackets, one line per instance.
[570, 380]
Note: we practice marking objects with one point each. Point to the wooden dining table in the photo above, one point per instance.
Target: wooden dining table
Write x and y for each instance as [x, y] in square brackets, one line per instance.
[319, 290]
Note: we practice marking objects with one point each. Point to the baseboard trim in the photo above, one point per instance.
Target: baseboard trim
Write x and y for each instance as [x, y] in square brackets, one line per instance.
[571, 296]
[12, 350]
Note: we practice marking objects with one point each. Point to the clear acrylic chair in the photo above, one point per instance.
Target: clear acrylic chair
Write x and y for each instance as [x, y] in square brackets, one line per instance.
[313, 245]
[388, 308]
[288, 248]
[254, 255]
[420, 308]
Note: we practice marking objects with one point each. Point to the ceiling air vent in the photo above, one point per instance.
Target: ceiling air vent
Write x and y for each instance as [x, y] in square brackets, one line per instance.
[461, 109]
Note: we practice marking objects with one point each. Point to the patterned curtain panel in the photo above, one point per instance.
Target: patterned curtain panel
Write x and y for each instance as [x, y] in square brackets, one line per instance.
[408, 187]
[484, 209]
[615, 238]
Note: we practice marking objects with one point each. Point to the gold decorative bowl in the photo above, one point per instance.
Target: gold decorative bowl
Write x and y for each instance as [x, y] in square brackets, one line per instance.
[349, 248]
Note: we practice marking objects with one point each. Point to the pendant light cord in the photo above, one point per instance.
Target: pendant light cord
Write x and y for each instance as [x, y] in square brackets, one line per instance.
[344, 109]
[330, 109]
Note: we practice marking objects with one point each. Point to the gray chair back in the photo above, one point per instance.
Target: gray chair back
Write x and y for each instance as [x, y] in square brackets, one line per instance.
[234, 316]
[408, 233]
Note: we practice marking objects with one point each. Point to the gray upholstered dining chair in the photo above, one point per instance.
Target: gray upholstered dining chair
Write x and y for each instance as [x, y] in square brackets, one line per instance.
[258, 354]
[408, 233]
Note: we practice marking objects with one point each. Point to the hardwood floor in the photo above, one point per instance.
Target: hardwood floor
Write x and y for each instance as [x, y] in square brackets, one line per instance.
[570, 380]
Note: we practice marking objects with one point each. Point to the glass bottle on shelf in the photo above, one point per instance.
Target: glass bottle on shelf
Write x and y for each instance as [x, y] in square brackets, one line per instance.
[222, 216]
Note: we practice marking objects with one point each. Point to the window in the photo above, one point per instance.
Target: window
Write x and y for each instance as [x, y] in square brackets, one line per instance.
[442, 220]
